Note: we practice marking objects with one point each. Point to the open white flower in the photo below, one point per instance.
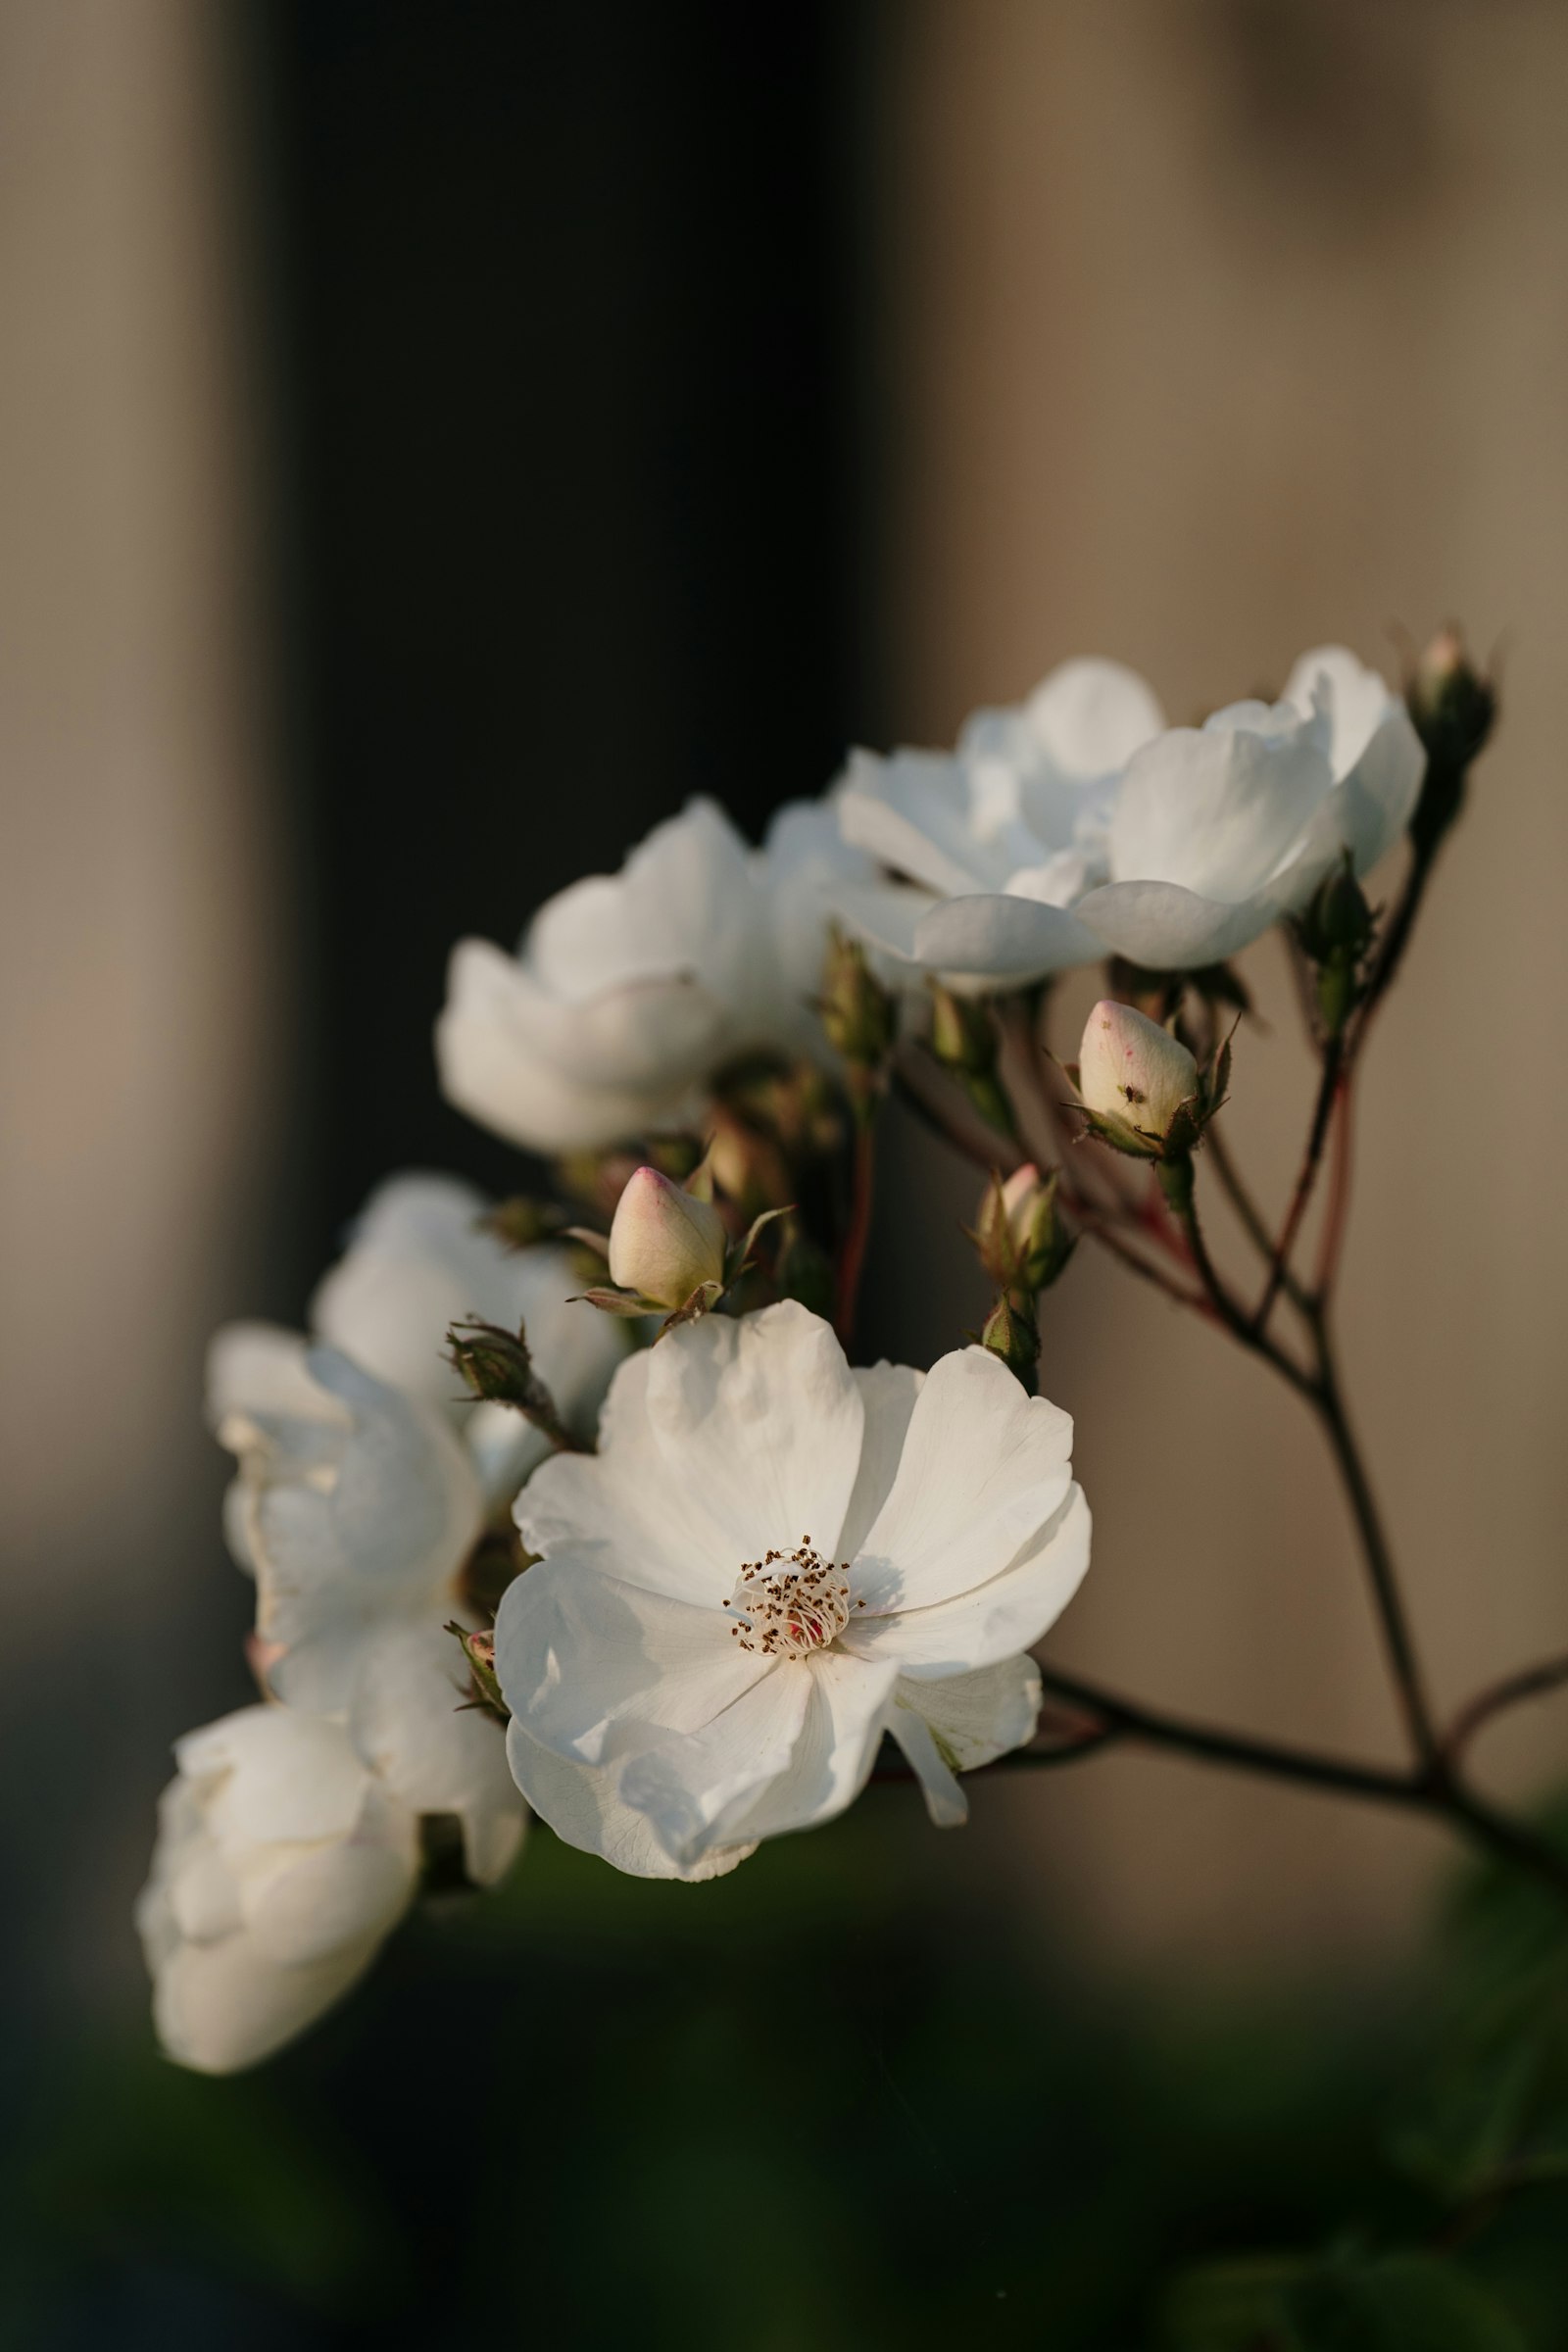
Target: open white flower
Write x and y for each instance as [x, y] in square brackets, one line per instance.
[1079, 826]
[631, 990]
[773, 1560]
[281, 1864]
[419, 1260]
[356, 1509]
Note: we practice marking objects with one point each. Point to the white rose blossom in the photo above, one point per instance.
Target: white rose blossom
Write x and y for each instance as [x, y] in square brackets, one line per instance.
[356, 1509]
[773, 1560]
[631, 990]
[419, 1260]
[281, 1864]
[1079, 826]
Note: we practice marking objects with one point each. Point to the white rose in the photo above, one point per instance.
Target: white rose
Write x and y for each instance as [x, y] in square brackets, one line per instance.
[631, 990]
[281, 1864]
[1080, 825]
[419, 1260]
[772, 1561]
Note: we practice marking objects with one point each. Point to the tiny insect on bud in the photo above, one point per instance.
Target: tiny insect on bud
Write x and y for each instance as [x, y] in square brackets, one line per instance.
[665, 1243]
[1138, 1083]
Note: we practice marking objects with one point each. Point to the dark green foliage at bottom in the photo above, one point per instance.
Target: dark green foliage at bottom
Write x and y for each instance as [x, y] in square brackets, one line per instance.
[836, 2100]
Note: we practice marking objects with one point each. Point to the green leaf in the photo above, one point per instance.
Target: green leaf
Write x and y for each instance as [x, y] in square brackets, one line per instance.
[1401, 2303]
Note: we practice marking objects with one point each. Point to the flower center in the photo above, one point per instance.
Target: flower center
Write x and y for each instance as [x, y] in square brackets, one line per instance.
[789, 1603]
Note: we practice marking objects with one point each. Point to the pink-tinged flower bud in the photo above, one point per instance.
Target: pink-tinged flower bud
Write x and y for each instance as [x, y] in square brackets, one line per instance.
[1133, 1077]
[665, 1243]
[1021, 1239]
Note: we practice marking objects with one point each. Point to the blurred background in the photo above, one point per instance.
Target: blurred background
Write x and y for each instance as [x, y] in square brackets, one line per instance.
[438, 441]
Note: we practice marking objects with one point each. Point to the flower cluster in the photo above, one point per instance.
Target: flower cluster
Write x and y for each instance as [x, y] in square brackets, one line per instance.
[702, 1569]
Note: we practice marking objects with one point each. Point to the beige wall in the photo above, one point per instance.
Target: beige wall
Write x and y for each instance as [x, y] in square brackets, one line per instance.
[137, 898]
[1217, 331]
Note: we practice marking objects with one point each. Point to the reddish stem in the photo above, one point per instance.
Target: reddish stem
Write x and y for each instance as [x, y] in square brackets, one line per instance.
[857, 1232]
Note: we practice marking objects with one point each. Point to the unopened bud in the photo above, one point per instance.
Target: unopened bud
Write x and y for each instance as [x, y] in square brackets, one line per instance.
[665, 1243]
[1454, 708]
[495, 1364]
[963, 1035]
[1022, 1240]
[1453, 705]
[1011, 1332]
[1338, 921]
[859, 1015]
[480, 1649]
[1134, 1078]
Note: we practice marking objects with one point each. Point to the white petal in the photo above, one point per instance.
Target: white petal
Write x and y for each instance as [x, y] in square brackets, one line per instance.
[339, 1547]
[1168, 929]
[257, 1368]
[579, 1653]
[694, 1788]
[1216, 809]
[225, 2006]
[1001, 941]
[966, 1720]
[887, 1392]
[342, 1896]
[886, 913]
[984, 1467]
[995, 1620]
[409, 1725]
[684, 900]
[833, 1754]
[581, 1804]
[912, 812]
[761, 1416]
[271, 1776]
[492, 1065]
[1088, 717]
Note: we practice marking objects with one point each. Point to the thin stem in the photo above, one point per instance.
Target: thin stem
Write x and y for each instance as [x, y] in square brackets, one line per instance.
[1435, 1793]
[1132, 1720]
[1529, 1681]
[1337, 1214]
[857, 1231]
[1396, 938]
[1105, 1234]
[1311, 1159]
[1235, 1187]
[1230, 1311]
[939, 1105]
[1397, 1640]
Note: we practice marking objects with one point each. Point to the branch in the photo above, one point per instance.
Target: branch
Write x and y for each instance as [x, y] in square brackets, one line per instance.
[1529, 1681]
[857, 1231]
[1318, 1134]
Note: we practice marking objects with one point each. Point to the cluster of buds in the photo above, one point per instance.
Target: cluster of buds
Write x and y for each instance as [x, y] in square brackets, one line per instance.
[1142, 1091]
[670, 1250]
[1023, 1246]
